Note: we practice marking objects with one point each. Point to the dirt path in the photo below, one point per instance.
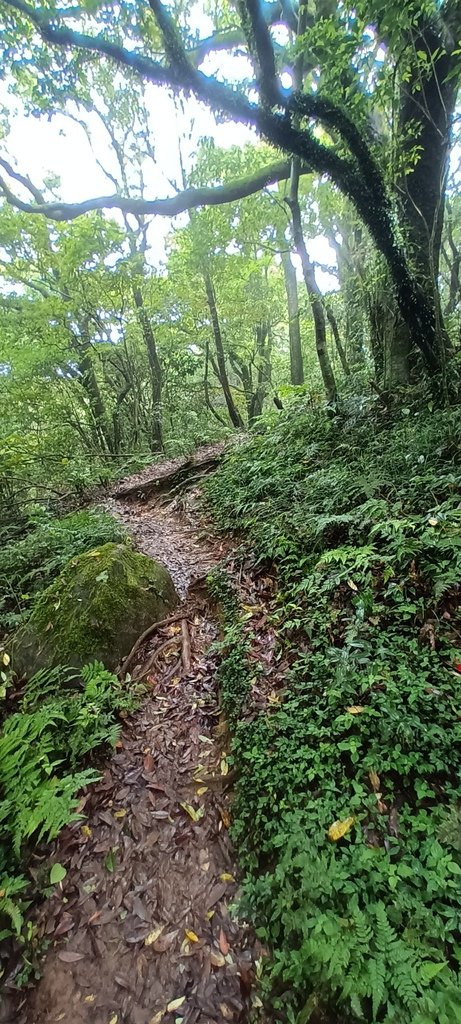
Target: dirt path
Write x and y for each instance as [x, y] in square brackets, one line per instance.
[140, 930]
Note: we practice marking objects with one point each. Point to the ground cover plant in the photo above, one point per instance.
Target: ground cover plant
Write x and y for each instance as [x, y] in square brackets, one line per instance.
[30, 562]
[45, 744]
[347, 815]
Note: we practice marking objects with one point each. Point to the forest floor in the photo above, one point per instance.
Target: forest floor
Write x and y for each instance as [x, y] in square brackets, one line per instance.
[140, 930]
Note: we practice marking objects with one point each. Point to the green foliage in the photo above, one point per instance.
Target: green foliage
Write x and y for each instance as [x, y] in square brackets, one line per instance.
[31, 563]
[233, 675]
[361, 519]
[60, 720]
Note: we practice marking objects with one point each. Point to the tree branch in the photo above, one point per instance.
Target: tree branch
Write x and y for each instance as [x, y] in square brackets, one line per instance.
[190, 199]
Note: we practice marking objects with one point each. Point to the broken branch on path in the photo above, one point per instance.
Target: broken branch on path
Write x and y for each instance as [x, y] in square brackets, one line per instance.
[186, 651]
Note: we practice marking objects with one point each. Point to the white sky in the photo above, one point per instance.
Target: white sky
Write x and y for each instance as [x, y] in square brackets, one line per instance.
[40, 147]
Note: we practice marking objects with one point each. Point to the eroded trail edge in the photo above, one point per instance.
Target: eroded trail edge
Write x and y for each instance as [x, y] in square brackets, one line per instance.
[140, 929]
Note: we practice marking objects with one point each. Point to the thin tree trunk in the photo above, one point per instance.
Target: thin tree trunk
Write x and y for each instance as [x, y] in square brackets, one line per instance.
[234, 414]
[294, 329]
[156, 439]
[312, 288]
[337, 339]
[206, 388]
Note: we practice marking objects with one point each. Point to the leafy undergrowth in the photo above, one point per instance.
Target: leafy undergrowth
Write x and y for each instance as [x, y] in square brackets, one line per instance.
[347, 813]
[31, 563]
[60, 719]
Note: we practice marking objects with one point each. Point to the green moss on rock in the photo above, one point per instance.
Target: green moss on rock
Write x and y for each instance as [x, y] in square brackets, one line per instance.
[96, 608]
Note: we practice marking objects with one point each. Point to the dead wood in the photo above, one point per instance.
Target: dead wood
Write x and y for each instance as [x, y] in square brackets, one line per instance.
[164, 475]
[186, 651]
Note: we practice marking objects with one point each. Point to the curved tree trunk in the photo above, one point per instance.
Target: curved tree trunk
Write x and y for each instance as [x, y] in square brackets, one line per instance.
[313, 290]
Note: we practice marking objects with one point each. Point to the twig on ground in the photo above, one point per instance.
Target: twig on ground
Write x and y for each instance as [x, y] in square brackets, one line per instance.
[186, 651]
[122, 670]
[153, 660]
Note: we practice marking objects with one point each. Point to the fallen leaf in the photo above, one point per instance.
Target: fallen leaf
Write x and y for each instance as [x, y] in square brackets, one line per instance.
[192, 812]
[226, 877]
[6, 658]
[153, 936]
[225, 817]
[339, 829]
[120, 814]
[89, 999]
[109, 862]
[192, 936]
[433, 521]
[175, 1004]
[202, 790]
[113, 1019]
[355, 709]
[374, 779]
[149, 763]
[57, 873]
[352, 585]
[223, 943]
[157, 1017]
[165, 941]
[217, 959]
[86, 831]
[224, 766]
[65, 925]
[69, 957]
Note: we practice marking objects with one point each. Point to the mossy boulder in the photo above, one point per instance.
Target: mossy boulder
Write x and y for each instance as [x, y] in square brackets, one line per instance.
[95, 609]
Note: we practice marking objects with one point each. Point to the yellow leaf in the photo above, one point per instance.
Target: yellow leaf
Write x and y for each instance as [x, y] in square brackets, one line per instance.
[114, 1019]
[86, 831]
[352, 585]
[217, 959]
[192, 812]
[6, 658]
[202, 790]
[226, 877]
[339, 829]
[210, 914]
[120, 814]
[374, 779]
[356, 709]
[433, 521]
[157, 1017]
[192, 936]
[89, 999]
[153, 936]
[224, 766]
[175, 1004]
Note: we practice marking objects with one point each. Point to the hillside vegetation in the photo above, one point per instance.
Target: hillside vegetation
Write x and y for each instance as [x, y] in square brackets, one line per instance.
[347, 815]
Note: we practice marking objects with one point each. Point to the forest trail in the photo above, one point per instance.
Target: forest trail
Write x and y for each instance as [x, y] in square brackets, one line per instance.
[140, 931]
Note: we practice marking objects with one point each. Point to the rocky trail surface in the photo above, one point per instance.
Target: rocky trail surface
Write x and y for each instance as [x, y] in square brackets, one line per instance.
[141, 929]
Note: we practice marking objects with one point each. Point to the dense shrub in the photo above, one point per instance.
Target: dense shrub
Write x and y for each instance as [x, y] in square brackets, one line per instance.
[347, 814]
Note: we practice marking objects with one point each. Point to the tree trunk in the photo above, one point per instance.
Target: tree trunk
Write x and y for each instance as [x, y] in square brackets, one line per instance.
[337, 339]
[291, 288]
[312, 289]
[156, 440]
[427, 104]
[234, 414]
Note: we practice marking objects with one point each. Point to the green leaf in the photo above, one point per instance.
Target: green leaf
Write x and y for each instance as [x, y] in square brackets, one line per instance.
[57, 873]
[110, 860]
